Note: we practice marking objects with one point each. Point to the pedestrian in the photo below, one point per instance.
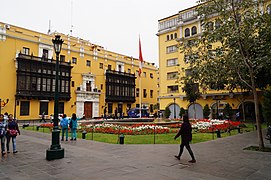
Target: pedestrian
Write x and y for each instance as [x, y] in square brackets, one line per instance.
[116, 113]
[12, 131]
[73, 126]
[186, 134]
[3, 130]
[64, 123]
[105, 111]
[5, 118]
[43, 117]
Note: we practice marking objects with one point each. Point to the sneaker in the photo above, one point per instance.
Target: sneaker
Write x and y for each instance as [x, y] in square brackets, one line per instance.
[178, 157]
[75, 139]
[71, 139]
[192, 161]
[15, 152]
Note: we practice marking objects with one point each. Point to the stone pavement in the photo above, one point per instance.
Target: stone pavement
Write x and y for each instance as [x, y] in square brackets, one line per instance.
[84, 159]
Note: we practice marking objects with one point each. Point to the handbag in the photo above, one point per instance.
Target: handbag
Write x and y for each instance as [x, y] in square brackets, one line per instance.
[13, 132]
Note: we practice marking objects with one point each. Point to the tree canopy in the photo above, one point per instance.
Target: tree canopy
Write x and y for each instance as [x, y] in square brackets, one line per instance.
[233, 49]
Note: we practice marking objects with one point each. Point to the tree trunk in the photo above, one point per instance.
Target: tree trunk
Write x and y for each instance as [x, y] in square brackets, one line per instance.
[257, 111]
[244, 112]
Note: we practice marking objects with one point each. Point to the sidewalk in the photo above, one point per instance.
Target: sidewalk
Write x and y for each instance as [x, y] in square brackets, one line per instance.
[218, 159]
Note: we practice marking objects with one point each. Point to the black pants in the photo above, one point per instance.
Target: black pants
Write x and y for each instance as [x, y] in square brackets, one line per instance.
[186, 144]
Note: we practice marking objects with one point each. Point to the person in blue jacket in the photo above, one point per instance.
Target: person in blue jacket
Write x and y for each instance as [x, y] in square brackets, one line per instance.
[64, 123]
[73, 126]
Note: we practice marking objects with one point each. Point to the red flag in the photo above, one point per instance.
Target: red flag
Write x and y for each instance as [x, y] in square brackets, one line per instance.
[140, 59]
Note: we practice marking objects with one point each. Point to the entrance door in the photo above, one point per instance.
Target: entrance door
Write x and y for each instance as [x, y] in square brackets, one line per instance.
[88, 110]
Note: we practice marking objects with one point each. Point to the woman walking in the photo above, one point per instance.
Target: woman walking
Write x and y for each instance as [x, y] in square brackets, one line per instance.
[186, 134]
[3, 130]
[12, 131]
[73, 126]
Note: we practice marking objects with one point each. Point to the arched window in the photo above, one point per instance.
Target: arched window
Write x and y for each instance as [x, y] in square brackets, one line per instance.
[186, 32]
[175, 35]
[167, 37]
[194, 30]
[268, 9]
[171, 36]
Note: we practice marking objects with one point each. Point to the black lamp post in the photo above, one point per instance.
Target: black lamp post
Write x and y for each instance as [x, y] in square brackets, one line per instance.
[55, 151]
[174, 108]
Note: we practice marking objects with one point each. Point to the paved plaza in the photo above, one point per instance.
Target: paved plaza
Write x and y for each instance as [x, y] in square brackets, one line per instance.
[84, 159]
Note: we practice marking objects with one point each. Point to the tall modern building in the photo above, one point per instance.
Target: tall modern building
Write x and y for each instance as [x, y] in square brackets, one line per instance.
[90, 76]
[171, 31]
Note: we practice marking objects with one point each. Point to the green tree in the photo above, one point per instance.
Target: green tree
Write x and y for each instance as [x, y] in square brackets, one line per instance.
[206, 111]
[191, 90]
[182, 112]
[267, 105]
[167, 112]
[233, 50]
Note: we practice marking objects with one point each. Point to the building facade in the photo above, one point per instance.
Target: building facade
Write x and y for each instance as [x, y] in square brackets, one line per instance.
[171, 30]
[90, 78]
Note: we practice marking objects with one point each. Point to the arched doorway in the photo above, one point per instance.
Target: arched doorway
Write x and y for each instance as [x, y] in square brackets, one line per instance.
[195, 111]
[217, 109]
[249, 111]
[172, 110]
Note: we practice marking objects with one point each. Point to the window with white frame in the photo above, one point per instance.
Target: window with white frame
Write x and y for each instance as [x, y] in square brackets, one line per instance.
[26, 51]
[172, 75]
[172, 62]
[172, 49]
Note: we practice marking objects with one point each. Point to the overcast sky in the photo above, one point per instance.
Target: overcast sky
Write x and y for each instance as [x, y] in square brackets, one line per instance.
[113, 24]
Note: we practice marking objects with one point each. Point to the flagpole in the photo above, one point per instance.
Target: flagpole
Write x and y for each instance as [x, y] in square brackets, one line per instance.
[140, 95]
[140, 72]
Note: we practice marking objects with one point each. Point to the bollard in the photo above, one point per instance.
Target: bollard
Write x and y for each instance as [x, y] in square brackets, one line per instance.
[121, 139]
[218, 133]
[84, 134]
[239, 129]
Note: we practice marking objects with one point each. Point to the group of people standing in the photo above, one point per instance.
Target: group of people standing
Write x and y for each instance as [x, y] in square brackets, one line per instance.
[71, 123]
[8, 131]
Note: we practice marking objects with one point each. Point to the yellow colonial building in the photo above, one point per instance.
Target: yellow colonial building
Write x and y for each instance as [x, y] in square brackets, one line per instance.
[91, 78]
[171, 30]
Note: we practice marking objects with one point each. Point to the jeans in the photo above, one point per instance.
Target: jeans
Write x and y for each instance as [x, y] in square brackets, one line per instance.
[73, 134]
[13, 142]
[186, 144]
[3, 143]
[64, 130]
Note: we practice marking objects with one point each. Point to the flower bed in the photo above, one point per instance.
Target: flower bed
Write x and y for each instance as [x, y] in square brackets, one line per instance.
[47, 125]
[137, 129]
[206, 125]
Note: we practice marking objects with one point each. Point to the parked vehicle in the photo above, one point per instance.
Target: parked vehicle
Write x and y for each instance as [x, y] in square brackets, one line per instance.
[135, 112]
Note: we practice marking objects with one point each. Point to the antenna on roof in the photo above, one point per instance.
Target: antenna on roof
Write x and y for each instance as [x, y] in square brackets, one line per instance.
[49, 30]
[71, 18]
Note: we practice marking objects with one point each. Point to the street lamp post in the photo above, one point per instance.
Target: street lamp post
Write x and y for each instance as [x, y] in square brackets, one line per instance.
[55, 151]
[174, 108]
